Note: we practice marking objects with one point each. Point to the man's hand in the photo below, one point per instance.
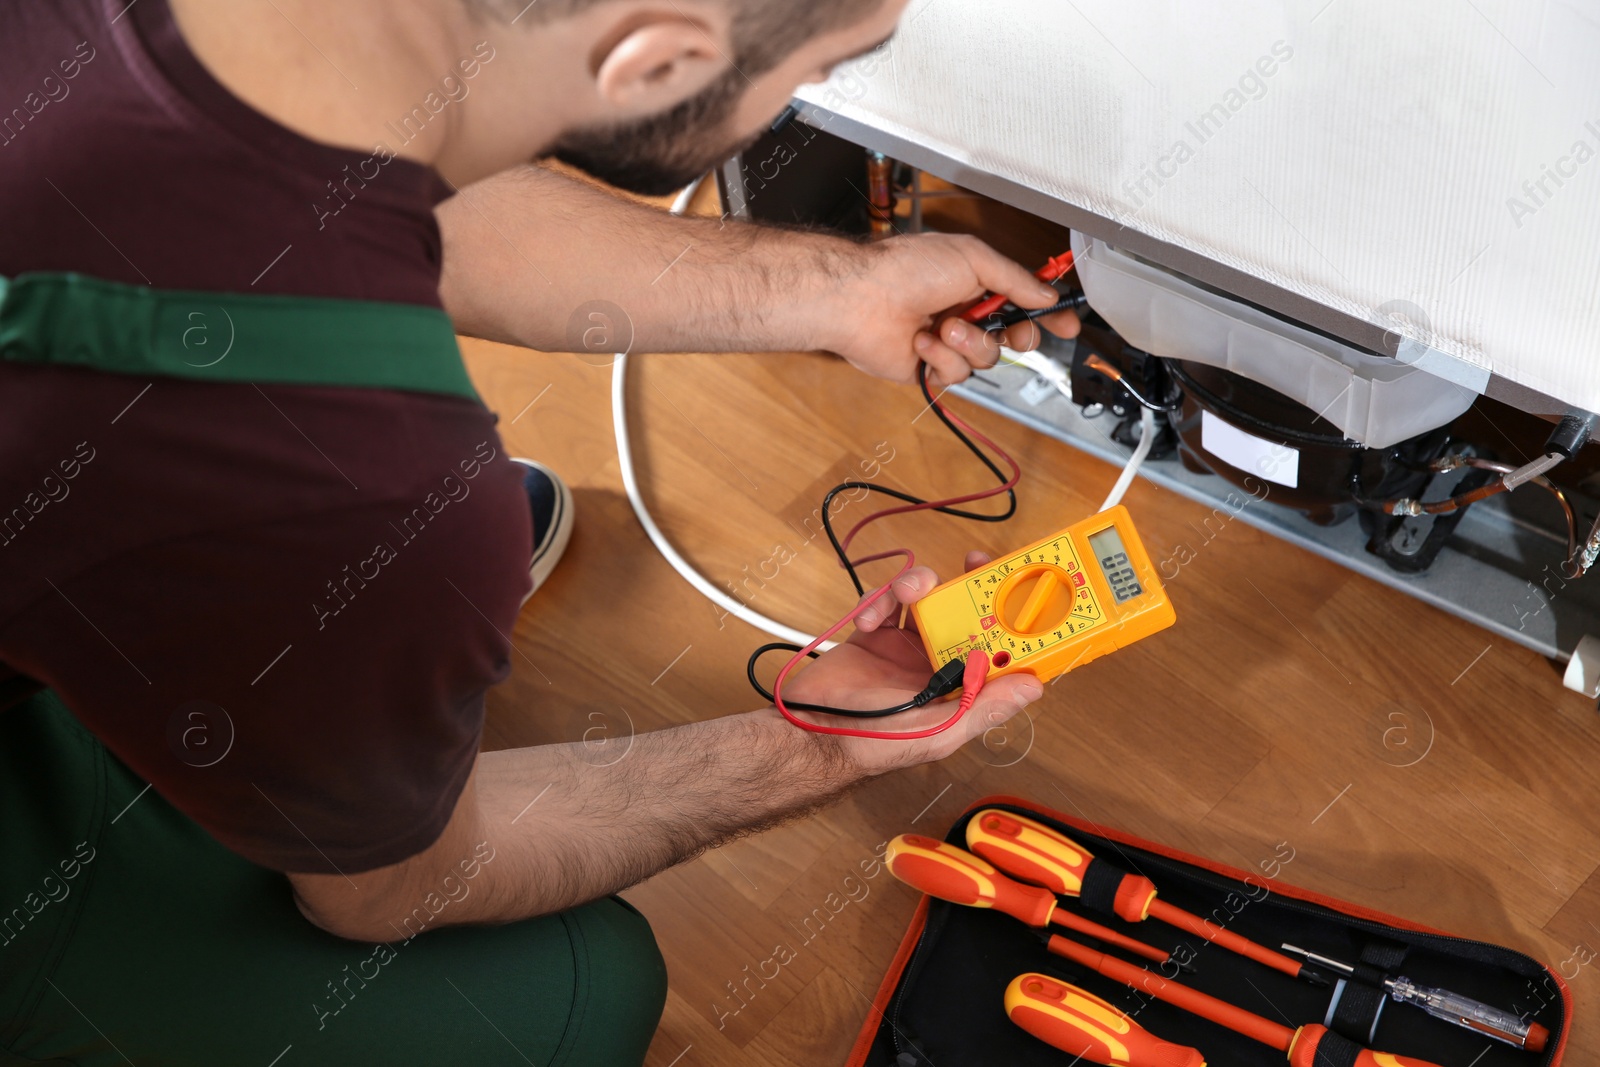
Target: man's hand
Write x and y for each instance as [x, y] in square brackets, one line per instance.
[904, 308]
[529, 254]
[571, 830]
[882, 665]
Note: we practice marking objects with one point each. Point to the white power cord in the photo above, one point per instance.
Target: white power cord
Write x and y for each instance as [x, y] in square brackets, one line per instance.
[1147, 440]
[630, 485]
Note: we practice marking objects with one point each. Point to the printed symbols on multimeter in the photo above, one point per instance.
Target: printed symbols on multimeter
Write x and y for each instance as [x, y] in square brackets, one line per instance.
[1051, 606]
[1028, 603]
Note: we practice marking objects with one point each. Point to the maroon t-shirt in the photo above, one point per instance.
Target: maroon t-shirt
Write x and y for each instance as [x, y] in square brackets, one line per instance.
[281, 605]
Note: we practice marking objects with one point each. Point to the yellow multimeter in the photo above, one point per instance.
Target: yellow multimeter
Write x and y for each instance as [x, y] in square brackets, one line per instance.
[1052, 606]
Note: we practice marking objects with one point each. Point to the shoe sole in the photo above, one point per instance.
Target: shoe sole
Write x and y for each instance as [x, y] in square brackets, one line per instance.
[550, 551]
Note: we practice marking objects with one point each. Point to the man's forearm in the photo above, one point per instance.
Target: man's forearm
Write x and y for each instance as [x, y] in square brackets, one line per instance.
[543, 829]
[675, 793]
[529, 254]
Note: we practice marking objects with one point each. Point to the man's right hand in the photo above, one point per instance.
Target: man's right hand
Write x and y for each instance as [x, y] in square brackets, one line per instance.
[895, 305]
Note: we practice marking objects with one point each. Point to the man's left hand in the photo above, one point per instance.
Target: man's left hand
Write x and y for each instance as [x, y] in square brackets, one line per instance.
[881, 665]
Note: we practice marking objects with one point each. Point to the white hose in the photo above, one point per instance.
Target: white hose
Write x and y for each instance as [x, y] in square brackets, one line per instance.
[630, 485]
[1147, 440]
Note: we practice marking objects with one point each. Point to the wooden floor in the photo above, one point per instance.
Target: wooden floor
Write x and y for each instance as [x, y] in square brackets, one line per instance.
[1412, 762]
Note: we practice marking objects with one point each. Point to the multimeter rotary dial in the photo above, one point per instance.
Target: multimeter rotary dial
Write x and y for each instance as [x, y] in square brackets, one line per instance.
[1023, 605]
[1034, 600]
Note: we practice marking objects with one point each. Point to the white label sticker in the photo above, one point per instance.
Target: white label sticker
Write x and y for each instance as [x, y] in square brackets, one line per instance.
[1267, 459]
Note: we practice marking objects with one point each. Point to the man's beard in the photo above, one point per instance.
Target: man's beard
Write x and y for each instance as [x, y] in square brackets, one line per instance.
[663, 153]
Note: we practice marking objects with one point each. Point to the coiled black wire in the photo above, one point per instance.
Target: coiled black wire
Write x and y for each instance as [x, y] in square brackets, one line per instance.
[855, 579]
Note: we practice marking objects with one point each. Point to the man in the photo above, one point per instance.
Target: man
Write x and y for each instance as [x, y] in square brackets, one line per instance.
[262, 546]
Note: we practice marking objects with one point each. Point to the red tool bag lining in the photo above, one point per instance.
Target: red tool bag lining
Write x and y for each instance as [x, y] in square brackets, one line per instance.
[941, 1002]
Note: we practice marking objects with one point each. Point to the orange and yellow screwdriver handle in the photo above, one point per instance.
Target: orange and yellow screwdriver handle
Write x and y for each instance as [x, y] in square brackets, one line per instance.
[1308, 1039]
[953, 874]
[1076, 1021]
[1037, 853]
[1301, 1044]
[949, 873]
[1190, 1000]
[1029, 850]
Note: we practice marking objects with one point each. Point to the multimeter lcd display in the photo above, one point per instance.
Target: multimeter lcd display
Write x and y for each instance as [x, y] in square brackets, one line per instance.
[1113, 558]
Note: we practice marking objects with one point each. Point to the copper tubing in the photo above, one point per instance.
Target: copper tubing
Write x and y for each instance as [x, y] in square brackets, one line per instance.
[1548, 486]
[1441, 507]
[1095, 363]
[1455, 503]
[880, 193]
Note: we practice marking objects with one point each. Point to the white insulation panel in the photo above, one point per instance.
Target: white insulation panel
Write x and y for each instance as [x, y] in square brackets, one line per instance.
[1431, 166]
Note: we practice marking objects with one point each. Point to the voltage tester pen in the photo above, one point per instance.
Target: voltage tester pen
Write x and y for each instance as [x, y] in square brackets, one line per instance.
[1453, 1008]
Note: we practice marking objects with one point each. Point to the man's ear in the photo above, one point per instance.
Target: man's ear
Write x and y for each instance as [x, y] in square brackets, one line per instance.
[655, 65]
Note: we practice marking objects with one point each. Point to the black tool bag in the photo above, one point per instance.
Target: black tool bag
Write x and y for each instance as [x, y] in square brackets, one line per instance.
[942, 1002]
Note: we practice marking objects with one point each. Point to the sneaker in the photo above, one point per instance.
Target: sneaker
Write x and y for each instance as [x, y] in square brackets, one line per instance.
[550, 503]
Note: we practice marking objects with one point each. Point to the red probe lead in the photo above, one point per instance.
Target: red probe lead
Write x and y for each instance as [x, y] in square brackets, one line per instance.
[974, 675]
[1009, 483]
[972, 679]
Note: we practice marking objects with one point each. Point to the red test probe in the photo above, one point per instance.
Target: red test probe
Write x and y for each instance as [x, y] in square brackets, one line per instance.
[1053, 270]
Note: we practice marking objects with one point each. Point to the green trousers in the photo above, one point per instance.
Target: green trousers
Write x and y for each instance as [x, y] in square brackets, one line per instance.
[128, 935]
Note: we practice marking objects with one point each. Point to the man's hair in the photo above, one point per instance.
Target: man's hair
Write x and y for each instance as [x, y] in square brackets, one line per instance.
[765, 32]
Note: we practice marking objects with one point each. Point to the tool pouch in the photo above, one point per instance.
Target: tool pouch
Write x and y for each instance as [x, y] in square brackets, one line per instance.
[1357, 1003]
[942, 1001]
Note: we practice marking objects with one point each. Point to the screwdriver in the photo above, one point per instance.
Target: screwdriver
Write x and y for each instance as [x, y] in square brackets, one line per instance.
[1451, 1007]
[953, 874]
[1301, 1044]
[1036, 853]
[1076, 1021]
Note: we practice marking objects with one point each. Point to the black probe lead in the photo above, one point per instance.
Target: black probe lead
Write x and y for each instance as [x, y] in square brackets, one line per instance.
[945, 680]
[827, 501]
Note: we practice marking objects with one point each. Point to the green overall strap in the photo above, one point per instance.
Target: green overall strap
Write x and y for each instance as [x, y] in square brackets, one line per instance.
[70, 319]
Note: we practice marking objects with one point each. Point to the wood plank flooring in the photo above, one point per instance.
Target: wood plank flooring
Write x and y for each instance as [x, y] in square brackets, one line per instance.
[1414, 763]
